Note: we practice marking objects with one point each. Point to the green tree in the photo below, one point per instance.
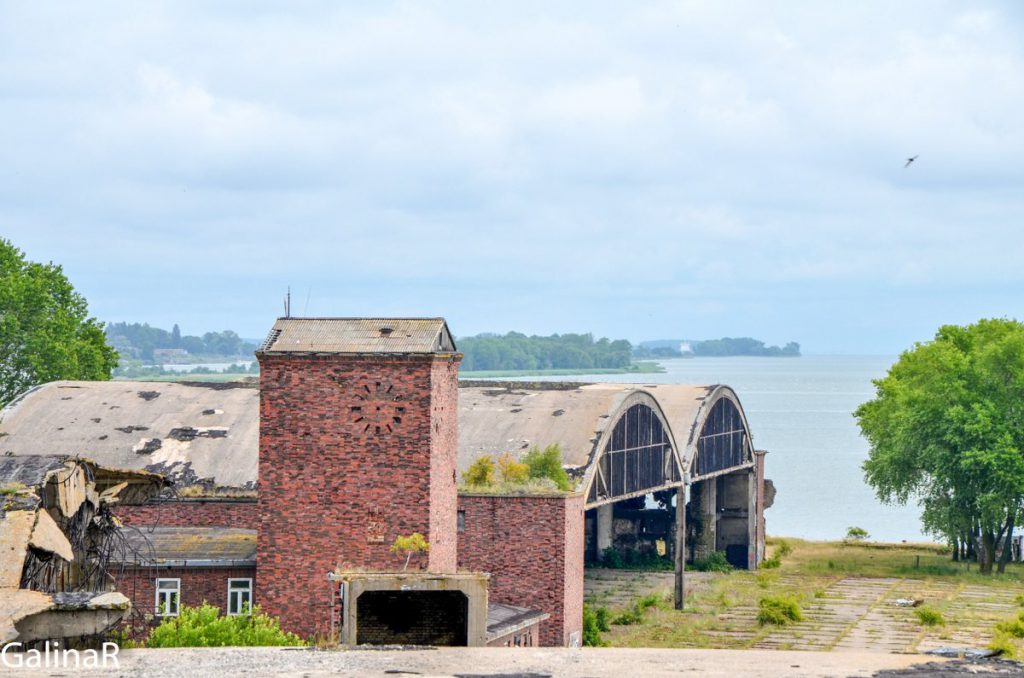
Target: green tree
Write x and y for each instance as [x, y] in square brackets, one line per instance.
[46, 333]
[547, 463]
[946, 428]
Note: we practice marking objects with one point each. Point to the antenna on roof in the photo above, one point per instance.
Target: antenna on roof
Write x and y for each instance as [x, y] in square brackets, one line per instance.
[288, 303]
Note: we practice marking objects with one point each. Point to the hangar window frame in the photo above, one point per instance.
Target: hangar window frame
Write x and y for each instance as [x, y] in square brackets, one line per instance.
[724, 442]
[638, 457]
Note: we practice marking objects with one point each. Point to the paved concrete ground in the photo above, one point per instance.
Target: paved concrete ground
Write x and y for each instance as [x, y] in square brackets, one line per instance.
[854, 614]
[494, 663]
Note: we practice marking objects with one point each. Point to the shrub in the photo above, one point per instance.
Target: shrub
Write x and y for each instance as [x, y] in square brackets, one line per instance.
[611, 558]
[203, 626]
[772, 563]
[856, 534]
[630, 616]
[1002, 643]
[547, 463]
[592, 626]
[778, 610]
[511, 470]
[408, 546]
[480, 473]
[603, 618]
[929, 617]
[1012, 627]
[716, 562]
[1020, 599]
[783, 548]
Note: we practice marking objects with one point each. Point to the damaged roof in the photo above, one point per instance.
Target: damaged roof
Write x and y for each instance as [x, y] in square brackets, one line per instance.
[189, 432]
[190, 546]
[504, 619]
[358, 335]
[209, 435]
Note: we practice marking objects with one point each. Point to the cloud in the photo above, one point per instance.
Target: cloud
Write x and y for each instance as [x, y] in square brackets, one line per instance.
[536, 166]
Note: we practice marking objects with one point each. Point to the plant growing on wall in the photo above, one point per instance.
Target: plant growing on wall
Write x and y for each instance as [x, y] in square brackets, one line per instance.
[511, 470]
[409, 546]
[481, 473]
[547, 463]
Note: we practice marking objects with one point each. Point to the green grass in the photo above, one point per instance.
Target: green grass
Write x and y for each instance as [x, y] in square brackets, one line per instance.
[722, 610]
[929, 617]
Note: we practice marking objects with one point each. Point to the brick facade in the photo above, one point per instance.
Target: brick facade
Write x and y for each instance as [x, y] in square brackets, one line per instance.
[355, 450]
[239, 513]
[533, 549]
[198, 585]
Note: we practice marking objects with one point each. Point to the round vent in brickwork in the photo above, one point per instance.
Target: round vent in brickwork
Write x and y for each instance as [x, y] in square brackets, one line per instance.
[380, 409]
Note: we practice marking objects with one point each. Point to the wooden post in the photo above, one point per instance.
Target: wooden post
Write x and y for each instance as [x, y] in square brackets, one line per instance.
[680, 546]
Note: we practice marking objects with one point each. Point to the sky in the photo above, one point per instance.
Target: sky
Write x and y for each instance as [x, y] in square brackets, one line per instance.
[636, 170]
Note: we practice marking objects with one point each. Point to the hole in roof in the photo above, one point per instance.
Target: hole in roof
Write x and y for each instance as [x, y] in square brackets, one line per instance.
[386, 331]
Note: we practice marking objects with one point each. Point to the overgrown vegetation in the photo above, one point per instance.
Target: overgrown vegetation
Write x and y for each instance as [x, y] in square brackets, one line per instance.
[204, 626]
[632, 559]
[408, 546]
[717, 616]
[595, 622]
[716, 562]
[635, 613]
[929, 616]
[778, 610]
[539, 471]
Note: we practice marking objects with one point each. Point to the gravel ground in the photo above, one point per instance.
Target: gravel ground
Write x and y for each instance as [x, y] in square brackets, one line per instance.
[504, 663]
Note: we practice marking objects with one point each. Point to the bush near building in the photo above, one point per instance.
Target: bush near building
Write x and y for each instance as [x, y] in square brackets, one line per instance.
[204, 626]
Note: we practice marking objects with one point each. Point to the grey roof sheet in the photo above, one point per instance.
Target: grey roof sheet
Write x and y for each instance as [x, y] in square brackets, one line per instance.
[185, 545]
[188, 432]
[359, 335]
[503, 619]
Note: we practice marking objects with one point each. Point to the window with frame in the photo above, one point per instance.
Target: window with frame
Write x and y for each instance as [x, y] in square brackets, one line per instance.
[168, 597]
[239, 596]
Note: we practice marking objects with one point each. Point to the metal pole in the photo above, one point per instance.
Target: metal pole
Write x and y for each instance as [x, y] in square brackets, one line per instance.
[680, 546]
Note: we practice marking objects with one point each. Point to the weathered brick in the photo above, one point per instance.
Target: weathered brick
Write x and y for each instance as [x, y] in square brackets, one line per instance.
[533, 548]
[355, 450]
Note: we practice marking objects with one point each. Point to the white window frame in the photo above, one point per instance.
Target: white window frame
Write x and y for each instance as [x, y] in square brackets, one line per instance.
[172, 595]
[232, 591]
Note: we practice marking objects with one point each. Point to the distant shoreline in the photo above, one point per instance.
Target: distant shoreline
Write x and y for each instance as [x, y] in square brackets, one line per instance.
[639, 367]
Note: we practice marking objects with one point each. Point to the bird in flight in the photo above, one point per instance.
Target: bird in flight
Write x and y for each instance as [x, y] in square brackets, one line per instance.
[910, 160]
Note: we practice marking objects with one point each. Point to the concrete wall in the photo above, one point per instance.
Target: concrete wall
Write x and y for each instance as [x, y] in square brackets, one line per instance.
[533, 549]
[348, 462]
[240, 513]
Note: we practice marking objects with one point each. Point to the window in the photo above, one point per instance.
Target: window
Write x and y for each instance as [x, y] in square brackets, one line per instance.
[239, 596]
[460, 521]
[168, 597]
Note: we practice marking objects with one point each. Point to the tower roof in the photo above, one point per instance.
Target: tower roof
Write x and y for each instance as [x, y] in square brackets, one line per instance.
[358, 335]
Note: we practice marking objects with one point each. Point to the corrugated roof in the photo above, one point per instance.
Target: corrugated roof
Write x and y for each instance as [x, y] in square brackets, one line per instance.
[504, 619]
[184, 546]
[359, 335]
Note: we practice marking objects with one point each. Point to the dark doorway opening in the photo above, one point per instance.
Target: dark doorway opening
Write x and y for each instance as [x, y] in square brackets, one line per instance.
[412, 618]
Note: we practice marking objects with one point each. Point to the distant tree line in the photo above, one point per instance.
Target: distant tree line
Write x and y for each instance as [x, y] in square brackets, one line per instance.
[516, 351]
[726, 346]
[139, 341]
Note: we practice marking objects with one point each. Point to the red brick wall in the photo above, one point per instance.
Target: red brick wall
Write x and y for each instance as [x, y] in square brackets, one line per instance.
[198, 584]
[533, 549]
[335, 491]
[191, 513]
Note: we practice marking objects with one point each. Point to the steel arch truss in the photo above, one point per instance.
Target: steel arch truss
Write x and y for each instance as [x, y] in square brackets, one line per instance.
[638, 458]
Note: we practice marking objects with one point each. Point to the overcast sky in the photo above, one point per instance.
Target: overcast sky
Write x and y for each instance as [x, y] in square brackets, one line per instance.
[639, 170]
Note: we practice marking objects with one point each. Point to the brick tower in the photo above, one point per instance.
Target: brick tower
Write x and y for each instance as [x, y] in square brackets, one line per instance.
[358, 425]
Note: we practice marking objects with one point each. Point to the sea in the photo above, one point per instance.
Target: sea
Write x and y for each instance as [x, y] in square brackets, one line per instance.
[801, 410]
